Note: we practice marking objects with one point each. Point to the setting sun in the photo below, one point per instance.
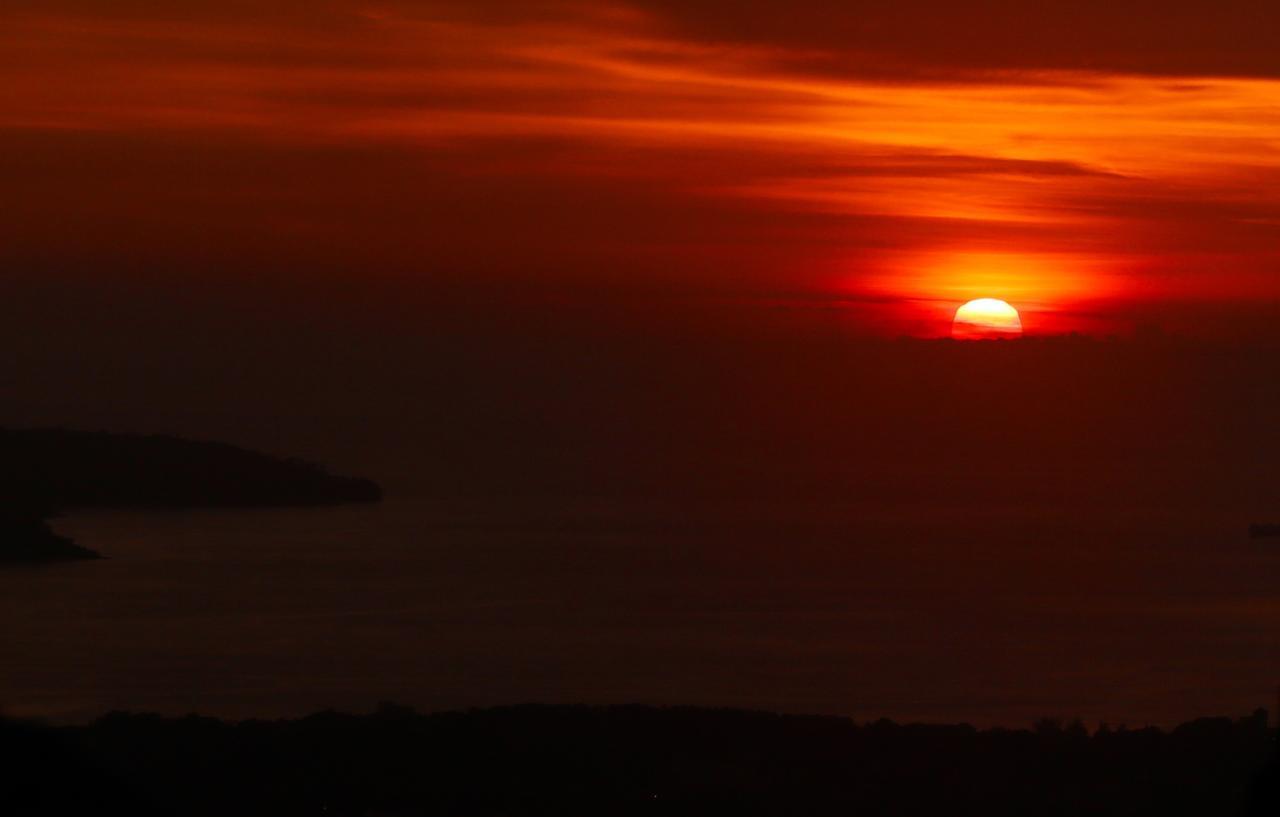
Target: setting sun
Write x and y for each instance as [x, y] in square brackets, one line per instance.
[986, 318]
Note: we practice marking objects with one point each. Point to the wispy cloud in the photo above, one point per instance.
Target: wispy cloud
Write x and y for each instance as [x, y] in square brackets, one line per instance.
[1133, 175]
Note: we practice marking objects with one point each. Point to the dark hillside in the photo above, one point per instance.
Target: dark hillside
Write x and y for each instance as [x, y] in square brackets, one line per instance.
[67, 469]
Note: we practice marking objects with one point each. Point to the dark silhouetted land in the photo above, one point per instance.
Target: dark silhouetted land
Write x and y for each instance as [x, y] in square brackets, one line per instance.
[49, 469]
[70, 469]
[26, 538]
[636, 760]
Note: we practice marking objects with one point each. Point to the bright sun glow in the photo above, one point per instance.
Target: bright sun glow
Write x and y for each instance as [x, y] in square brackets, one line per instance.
[986, 318]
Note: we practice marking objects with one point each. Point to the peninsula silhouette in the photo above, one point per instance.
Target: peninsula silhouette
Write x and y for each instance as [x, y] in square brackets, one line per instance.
[43, 471]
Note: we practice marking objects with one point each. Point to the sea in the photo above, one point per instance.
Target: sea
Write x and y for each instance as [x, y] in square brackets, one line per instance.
[991, 616]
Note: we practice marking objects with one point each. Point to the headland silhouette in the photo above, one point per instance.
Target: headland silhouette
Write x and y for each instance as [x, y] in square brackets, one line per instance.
[43, 471]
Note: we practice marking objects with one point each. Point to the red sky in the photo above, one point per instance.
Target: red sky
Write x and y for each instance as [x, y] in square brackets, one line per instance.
[655, 256]
[1093, 163]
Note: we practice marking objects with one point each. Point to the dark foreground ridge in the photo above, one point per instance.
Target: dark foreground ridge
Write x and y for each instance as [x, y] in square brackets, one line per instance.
[57, 469]
[539, 760]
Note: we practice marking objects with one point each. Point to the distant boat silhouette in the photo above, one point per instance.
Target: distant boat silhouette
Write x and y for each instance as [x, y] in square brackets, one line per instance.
[1260, 531]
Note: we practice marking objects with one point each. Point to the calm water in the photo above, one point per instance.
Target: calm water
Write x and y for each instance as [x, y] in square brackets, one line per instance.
[998, 617]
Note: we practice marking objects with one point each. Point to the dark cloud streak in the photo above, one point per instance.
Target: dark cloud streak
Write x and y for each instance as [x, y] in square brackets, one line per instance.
[936, 38]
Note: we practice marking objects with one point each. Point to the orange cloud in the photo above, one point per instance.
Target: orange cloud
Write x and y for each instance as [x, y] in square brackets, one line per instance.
[1056, 187]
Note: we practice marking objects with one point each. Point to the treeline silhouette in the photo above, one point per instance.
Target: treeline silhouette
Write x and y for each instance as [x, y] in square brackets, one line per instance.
[632, 760]
[64, 469]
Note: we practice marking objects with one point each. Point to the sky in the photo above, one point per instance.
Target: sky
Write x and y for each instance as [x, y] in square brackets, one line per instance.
[537, 247]
[1102, 166]
[663, 261]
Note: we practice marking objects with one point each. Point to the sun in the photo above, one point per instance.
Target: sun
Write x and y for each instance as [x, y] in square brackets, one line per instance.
[986, 318]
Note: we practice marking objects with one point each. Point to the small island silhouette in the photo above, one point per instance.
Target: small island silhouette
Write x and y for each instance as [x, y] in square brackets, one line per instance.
[47, 470]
